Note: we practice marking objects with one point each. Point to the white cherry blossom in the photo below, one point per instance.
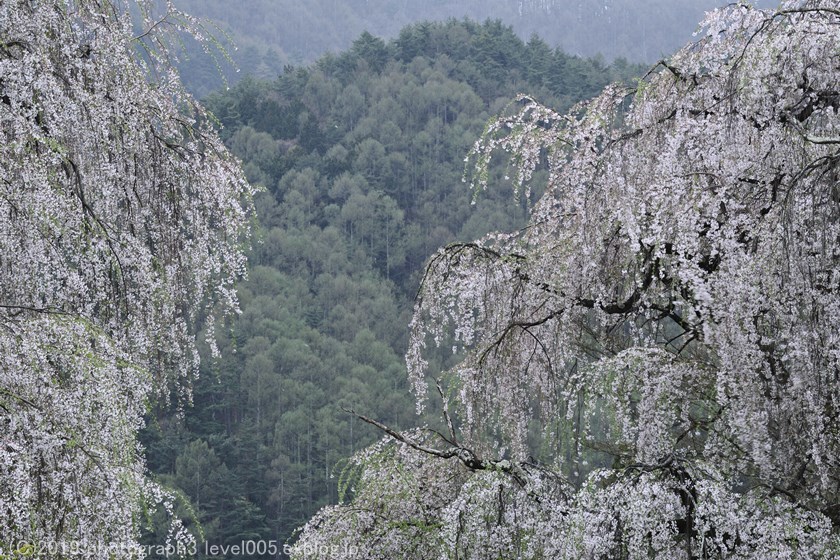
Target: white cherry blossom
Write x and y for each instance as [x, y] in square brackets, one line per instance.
[122, 227]
[663, 335]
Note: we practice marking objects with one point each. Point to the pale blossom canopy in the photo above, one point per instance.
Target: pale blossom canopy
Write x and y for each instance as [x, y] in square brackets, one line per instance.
[123, 222]
[658, 350]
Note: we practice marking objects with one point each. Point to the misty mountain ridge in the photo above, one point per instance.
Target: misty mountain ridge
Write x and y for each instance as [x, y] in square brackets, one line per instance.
[271, 34]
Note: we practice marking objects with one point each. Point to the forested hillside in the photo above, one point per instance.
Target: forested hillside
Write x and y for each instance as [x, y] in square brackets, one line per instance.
[361, 157]
[273, 33]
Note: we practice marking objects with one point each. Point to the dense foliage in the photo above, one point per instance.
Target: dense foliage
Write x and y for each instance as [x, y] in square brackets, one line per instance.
[122, 222]
[361, 156]
[650, 368]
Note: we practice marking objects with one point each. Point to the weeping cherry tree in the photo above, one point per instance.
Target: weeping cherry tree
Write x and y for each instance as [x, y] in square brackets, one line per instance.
[123, 221]
[650, 369]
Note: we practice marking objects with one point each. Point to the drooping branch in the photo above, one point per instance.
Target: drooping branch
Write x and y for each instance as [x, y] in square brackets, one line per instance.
[466, 456]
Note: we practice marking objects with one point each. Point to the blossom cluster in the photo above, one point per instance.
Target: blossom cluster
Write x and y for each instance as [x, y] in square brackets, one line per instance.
[122, 223]
[663, 336]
